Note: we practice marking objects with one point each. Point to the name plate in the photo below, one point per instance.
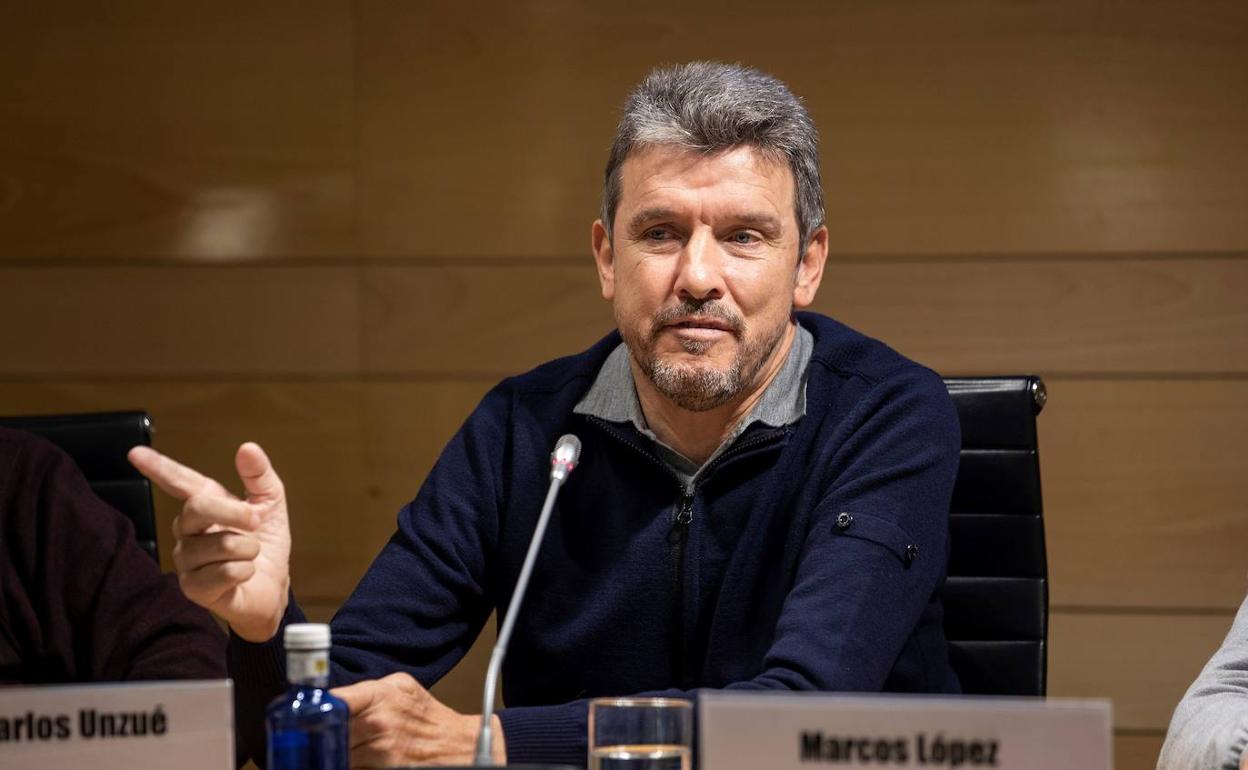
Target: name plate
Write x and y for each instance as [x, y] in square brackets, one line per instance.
[795, 731]
[118, 726]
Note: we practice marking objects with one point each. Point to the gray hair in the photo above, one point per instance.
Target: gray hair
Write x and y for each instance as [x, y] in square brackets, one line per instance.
[707, 107]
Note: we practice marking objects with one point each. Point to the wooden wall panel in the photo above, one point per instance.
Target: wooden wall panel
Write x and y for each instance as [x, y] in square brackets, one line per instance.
[1057, 317]
[991, 128]
[128, 322]
[487, 321]
[1144, 663]
[1144, 482]
[1136, 316]
[1137, 752]
[153, 130]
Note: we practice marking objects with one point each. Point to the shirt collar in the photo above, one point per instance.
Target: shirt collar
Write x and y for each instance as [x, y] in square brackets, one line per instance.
[613, 394]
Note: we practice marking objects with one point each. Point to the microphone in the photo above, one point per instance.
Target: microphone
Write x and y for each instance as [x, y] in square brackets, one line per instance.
[562, 461]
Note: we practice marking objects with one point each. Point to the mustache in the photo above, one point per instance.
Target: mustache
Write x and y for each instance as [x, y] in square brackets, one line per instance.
[694, 310]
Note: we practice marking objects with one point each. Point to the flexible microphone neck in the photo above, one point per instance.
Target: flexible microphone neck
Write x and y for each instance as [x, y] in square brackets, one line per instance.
[562, 461]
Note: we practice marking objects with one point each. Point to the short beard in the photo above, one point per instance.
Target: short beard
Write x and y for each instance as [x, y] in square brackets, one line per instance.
[694, 387]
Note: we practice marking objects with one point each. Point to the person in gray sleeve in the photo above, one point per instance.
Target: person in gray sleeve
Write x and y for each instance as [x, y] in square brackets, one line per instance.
[1209, 728]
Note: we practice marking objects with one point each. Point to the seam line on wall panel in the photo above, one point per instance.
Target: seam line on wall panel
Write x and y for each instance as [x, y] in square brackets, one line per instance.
[357, 269]
[1089, 609]
[1050, 376]
[587, 260]
[273, 263]
[356, 163]
[461, 376]
[211, 378]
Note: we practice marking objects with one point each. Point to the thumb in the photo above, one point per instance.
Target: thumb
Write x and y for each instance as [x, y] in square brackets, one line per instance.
[359, 696]
[259, 479]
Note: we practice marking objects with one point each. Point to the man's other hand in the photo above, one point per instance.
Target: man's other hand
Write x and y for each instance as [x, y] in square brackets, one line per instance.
[232, 556]
[395, 721]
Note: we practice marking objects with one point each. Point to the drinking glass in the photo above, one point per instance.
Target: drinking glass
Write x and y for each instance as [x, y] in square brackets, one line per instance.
[640, 734]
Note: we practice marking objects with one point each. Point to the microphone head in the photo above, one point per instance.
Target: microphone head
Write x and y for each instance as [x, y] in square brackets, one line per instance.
[564, 458]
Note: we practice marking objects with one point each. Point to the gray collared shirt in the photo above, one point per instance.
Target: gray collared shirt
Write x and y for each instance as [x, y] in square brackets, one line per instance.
[613, 397]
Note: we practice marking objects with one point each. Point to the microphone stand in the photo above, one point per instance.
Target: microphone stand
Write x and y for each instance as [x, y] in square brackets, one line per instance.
[562, 461]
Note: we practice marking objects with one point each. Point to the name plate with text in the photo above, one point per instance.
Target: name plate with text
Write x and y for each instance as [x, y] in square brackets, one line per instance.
[812, 731]
[118, 726]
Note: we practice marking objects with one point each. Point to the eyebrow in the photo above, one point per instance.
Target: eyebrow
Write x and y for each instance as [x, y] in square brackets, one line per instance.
[646, 216]
[764, 222]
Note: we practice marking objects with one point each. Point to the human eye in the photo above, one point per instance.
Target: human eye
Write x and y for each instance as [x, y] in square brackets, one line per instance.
[657, 234]
[744, 238]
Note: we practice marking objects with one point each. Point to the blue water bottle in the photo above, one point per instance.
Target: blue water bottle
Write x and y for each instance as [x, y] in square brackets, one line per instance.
[307, 727]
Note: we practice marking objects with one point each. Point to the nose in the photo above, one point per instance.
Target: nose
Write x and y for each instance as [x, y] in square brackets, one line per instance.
[699, 273]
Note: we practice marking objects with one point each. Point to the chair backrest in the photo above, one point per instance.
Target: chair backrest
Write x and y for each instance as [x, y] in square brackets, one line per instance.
[997, 594]
[98, 443]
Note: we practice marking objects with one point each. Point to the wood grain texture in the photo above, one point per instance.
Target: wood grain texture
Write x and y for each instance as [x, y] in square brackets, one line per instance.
[991, 128]
[1049, 316]
[1144, 492]
[1137, 752]
[487, 321]
[149, 130]
[1144, 663]
[132, 322]
[1163, 316]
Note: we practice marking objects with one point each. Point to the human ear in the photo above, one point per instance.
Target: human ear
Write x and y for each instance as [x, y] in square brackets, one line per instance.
[810, 268]
[604, 257]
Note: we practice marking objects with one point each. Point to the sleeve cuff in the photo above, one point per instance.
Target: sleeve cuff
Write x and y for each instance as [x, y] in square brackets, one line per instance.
[546, 734]
[259, 673]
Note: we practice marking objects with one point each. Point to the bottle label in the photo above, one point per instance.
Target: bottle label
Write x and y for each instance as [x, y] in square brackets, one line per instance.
[307, 666]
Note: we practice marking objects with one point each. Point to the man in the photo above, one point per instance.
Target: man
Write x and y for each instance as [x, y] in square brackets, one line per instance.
[761, 501]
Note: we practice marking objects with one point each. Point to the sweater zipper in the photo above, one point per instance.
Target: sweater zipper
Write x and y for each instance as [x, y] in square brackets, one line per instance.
[678, 535]
[677, 538]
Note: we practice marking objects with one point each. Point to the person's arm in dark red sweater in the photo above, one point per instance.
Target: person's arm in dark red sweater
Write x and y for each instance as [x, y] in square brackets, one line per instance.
[80, 600]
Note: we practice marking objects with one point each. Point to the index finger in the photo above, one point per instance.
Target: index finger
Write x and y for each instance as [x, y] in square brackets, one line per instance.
[170, 475]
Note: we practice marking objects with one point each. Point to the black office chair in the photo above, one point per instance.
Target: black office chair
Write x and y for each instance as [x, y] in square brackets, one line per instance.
[997, 595]
[98, 443]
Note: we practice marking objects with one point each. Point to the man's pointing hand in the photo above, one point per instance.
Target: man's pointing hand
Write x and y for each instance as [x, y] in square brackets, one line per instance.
[232, 556]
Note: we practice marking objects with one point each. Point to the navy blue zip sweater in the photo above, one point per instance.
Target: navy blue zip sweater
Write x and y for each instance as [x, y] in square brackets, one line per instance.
[808, 557]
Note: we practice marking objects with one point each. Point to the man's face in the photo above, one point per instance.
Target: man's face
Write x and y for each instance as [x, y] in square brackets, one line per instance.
[703, 269]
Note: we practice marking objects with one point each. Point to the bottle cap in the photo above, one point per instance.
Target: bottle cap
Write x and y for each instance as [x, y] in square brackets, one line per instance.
[307, 636]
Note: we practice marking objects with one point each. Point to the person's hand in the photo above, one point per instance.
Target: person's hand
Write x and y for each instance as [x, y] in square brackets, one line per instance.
[232, 556]
[395, 721]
